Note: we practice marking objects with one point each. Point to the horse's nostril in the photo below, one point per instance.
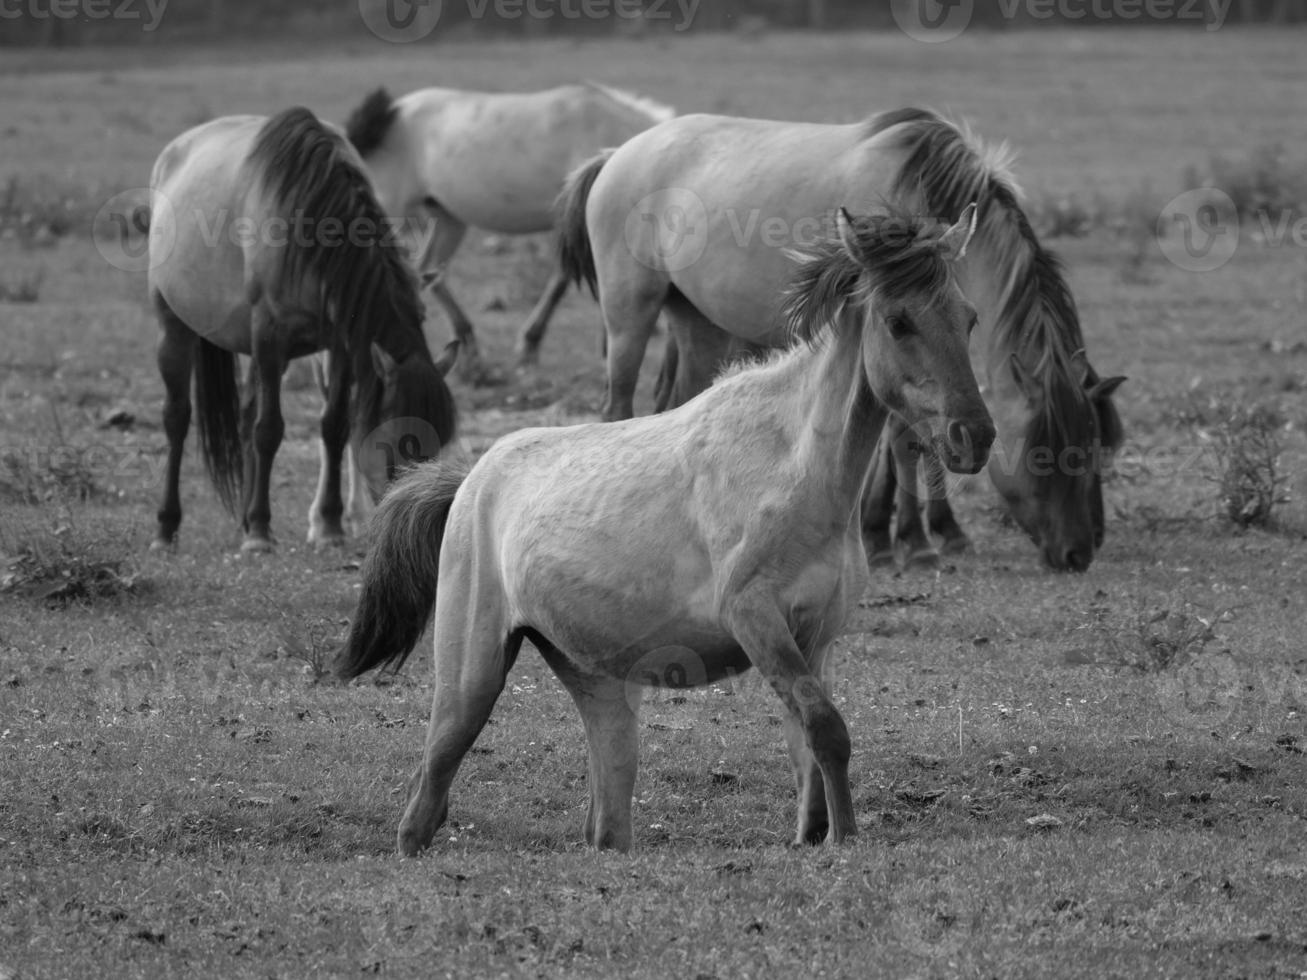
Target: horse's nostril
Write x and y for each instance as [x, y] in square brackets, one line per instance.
[960, 437]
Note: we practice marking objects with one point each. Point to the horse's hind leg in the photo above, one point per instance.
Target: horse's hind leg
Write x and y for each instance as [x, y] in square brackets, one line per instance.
[445, 236]
[269, 428]
[528, 344]
[878, 500]
[608, 709]
[939, 513]
[176, 359]
[697, 349]
[631, 298]
[472, 661]
[325, 527]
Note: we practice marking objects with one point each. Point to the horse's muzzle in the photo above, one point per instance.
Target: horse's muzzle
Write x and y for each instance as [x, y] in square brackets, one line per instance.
[964, 447]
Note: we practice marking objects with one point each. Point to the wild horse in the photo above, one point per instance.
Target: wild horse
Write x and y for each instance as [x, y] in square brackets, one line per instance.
[266, 240]
[694, 217]
[626, 550]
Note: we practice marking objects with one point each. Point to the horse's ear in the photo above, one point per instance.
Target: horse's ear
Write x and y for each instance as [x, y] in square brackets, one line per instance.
[1025, 381]
[953, 243]
[1106, 387]
[447, 357]
[383, 364]
[848, 237]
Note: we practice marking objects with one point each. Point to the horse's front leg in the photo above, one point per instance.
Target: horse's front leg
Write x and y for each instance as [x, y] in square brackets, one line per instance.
[268, 429]
[878, 499]
[939, 513]
[325, 513]
[911, 545]
[762, 631]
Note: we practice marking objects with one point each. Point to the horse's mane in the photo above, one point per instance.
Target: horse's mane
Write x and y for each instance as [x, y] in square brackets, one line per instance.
[945, 168]
[368, 125]
[899, 257]
[370, 294]
[655, 110]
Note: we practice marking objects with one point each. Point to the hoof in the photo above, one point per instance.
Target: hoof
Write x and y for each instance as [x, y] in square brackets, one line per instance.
[326, 541]
[163, 545]
[257, 546]
[920, 558]
[880, 559]
[955, 546]
[528, 359]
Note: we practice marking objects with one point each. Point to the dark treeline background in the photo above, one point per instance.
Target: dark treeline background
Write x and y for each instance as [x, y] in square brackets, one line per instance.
[31, 23]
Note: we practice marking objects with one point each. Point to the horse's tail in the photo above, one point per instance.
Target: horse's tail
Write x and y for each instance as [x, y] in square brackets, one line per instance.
[217, 399]
[574, 251]
[399, 575]
[368, 125]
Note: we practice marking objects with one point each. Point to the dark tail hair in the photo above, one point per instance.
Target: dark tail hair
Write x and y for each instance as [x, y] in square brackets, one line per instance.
[399, 574]
[574, 252]
[367, 125]
[217, 399]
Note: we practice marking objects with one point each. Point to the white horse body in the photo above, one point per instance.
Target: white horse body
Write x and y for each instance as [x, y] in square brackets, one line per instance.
[447, 159]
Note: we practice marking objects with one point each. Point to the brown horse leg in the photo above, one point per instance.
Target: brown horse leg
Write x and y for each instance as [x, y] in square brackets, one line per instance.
[762, 631]
[878, 500]
[911, 546]
[528, 343]
[249, 411]
[325, 513]
[939, 513]
[470, 669]
[176, 357]
[269, 427]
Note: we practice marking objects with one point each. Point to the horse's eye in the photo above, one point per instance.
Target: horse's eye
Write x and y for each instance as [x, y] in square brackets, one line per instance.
[899, 327]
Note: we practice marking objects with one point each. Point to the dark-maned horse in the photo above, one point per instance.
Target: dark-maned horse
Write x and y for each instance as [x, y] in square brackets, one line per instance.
[447, 159]
[266, 240]
[626, 552]
[694, 219]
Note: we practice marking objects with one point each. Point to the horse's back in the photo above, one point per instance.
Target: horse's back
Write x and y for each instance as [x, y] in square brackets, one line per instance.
[497, 160]
[743, 192]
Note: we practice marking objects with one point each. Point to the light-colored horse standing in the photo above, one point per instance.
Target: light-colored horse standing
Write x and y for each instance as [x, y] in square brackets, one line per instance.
[626, 550]
[446, 159]
[266, 240]
[693, 218]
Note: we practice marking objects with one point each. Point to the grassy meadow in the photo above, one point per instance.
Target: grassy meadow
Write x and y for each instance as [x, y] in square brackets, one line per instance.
[1098, 775]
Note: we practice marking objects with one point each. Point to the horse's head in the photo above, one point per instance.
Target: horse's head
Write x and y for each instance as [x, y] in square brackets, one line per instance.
[916, 329]
[1051, 477]
[408, 417]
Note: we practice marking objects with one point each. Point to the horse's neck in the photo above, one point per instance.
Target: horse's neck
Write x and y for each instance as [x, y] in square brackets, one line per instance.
[837, 419]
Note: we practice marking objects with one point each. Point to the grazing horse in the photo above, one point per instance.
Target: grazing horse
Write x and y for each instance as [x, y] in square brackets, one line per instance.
[266, 240]
[449, 159]
[667, 223]
[626, 554]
